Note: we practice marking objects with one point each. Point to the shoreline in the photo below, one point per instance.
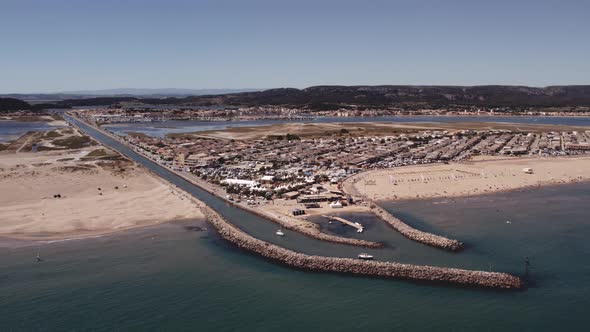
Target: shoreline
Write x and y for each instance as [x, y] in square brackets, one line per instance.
[98, 193]
[477, 195]
[418, 182]
[81, 235]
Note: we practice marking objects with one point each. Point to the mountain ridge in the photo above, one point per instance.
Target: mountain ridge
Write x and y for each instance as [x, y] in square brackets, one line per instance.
[322, 97]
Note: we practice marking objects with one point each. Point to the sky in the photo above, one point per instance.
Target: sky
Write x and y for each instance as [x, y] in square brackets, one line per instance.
[64, 45]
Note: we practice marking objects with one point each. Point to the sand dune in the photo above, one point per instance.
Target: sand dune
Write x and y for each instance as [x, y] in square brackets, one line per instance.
[29, 181]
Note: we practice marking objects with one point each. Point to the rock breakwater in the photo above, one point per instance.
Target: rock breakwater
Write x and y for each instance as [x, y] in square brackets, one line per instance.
[355, 266]
[416, 235]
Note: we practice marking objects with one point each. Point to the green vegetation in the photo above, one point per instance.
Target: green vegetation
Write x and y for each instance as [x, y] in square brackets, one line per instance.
[73, 142]
[12, 104]
[97, 153]
[288, 137]
[113, 157]
[42, 148]
[3, 147]
[103, 154]
[325, 97]
[53, 134]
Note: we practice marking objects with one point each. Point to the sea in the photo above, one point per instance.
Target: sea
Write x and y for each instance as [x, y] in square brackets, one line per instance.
[182, 276]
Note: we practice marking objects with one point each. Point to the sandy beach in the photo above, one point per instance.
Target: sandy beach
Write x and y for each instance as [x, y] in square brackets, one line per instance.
[128, 197]
[466, 178]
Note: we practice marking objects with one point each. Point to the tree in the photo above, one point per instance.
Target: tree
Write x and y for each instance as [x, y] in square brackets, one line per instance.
[292, 137]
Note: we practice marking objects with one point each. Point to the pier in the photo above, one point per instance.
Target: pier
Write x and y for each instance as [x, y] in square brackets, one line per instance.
[359, 227]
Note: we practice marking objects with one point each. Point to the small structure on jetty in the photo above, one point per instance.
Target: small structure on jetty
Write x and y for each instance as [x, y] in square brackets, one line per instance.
[358, 226]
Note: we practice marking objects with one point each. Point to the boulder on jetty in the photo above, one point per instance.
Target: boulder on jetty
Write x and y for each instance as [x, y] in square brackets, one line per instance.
[414, 234]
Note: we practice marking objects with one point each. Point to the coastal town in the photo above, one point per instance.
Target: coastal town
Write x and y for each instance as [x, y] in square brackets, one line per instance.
[311, 168]
[322, 165]
[137, 113]
[293, 174]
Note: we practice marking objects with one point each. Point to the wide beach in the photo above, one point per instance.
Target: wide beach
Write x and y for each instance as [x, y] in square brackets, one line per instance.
[81, 192]
[474, 177]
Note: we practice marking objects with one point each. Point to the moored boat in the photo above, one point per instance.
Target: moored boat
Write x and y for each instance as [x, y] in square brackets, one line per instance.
[365, 256]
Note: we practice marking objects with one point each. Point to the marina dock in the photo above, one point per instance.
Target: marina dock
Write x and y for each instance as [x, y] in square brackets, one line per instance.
[359, 227]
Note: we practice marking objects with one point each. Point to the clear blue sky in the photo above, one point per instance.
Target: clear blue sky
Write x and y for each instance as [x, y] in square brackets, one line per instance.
[57, 45]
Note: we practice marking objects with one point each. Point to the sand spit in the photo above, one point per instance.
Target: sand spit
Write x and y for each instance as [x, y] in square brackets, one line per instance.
[416, 235]
[357, 266]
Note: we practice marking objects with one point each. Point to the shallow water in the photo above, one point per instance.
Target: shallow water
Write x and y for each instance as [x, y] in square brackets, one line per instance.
[11, 130]
[160, 129]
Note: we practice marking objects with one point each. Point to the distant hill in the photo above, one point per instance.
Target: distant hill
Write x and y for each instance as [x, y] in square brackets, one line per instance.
[11, 104]
[395, 95]
[334, 97]
[156, 92]
[37, 98]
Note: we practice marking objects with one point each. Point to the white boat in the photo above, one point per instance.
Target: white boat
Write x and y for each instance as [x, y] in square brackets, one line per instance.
[280, 233]
[365, 256]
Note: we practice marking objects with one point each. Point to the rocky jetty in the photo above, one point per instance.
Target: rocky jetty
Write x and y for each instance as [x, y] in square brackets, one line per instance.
[416, 235]
[356, 266]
